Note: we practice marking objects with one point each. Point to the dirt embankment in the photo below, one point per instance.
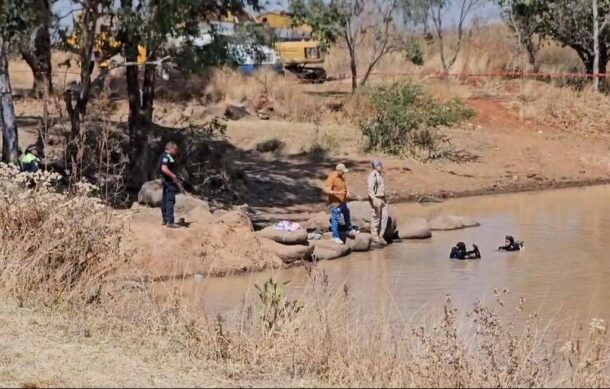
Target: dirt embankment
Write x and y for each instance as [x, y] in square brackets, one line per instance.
[497, 152]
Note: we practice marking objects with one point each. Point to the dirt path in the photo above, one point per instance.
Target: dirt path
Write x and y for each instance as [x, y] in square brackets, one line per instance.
[40, 348]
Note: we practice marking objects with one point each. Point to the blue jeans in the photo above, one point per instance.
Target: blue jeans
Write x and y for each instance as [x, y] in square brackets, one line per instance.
[335, 216]
[168, 201]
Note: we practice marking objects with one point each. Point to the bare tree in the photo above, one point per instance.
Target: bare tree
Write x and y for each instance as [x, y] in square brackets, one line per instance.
[353, 23]
[10, 144]
[436, 9]
[525, 24]
[76, 100]
[36, 51]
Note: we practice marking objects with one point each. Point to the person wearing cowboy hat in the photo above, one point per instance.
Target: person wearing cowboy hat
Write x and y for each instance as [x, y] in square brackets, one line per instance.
[336, 189]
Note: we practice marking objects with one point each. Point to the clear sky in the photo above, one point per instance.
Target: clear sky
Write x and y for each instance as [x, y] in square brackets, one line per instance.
[487, 11]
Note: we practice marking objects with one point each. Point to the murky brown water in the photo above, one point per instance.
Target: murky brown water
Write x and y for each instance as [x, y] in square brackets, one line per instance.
[564, 270]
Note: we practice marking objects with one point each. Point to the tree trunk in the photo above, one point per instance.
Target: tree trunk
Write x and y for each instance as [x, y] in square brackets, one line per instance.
[138, 154]
[354, 69]
[10, 141]
[77, 110]
[532, 48]
[595, 46]
[38, 54]
[148, 96]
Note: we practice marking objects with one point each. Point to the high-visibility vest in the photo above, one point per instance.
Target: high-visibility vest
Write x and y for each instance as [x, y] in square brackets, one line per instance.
[27, 158]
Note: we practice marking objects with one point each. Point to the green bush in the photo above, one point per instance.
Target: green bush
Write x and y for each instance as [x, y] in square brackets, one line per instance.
[414, 53]
[408, 122]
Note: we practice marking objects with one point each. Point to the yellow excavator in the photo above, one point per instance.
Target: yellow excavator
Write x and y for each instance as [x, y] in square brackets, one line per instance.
[300, 54]
[105, 47]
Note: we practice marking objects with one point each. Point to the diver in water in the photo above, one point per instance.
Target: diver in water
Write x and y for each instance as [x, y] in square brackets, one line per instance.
[460, 252]
[511, 244]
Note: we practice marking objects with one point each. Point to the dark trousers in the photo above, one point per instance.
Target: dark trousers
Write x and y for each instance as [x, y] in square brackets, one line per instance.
[168, 201]
[30, 167]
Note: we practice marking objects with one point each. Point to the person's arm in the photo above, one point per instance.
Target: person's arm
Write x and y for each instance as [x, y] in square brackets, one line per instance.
[328, 187]
[169, 173]
[372, 186]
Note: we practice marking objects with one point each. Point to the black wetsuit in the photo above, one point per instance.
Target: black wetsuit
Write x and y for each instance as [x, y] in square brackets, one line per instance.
[460, 252]
[512, 245]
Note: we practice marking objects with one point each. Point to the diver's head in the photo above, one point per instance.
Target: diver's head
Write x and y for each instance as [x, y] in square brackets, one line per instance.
[461, 246]
[509, 239]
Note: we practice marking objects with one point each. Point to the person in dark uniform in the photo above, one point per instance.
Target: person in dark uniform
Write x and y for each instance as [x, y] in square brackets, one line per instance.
[511, 245]
[170, 184]
[460, 252]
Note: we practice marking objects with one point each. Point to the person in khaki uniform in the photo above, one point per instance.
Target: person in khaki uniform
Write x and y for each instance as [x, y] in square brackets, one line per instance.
[377, 199]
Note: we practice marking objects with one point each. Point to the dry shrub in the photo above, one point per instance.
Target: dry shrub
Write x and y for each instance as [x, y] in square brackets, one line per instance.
[286, 94]
[320, 338]
[582, 112]
[271, 145]
[53, 246]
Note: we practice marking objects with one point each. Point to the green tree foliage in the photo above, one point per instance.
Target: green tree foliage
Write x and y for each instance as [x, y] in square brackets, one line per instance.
[526, 25]
[152, 24]
[325, 19]
[407, 121]
[569, 22]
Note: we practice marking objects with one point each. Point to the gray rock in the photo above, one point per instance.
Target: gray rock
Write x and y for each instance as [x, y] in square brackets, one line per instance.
[320, 221]
[186, 203]
[288, 254]
[429, 199]
[414, 228]
[284, 237]
[200, 214]
[361, 211]
[234, 218]
[327, 250]
[151, 193]
[362, 242]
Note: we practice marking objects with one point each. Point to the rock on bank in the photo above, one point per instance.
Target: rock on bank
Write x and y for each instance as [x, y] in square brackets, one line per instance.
[217, 243]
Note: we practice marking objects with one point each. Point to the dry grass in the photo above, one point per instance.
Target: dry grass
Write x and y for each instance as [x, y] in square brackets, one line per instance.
[53, 246]
[321, 339]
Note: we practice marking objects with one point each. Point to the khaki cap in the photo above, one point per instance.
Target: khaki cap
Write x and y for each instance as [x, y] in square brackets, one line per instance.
[341, 168]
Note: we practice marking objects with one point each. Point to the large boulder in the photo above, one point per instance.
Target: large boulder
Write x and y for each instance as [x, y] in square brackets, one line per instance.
[234, 218]
[414, 228]
[186, 203]
[362, 242]
[444, 223]
[151, 193]
[288, 254]
[361, 212]
[320, 221]
[285, 237]
[200, 214]
[327, 250]
[391, 228]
